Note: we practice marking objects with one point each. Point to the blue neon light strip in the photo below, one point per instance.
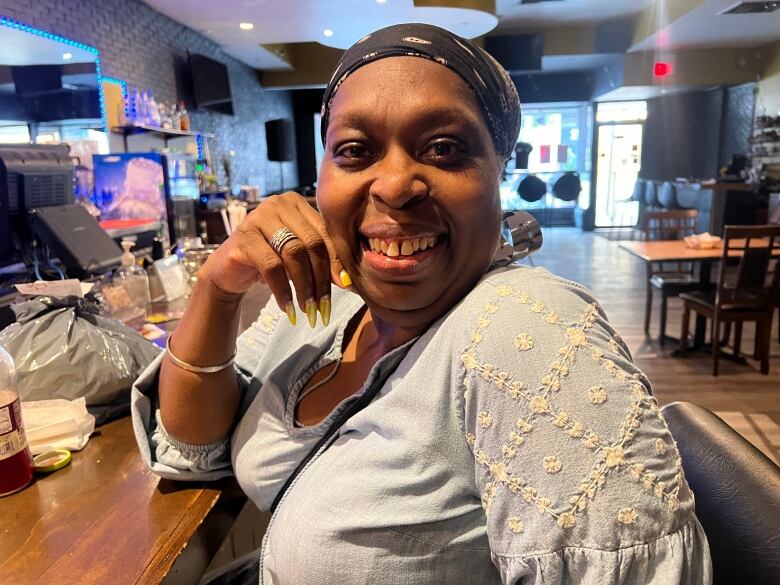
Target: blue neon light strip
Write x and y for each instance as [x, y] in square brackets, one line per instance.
[199, 144]
[11, 23]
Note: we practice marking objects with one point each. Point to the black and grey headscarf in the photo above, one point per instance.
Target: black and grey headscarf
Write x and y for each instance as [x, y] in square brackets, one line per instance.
[495, 92]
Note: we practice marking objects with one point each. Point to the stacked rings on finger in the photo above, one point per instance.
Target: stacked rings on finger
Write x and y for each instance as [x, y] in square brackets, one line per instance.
[280, 237]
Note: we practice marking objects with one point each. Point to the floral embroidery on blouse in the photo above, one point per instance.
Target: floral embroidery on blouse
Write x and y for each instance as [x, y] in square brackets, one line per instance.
[552, 464]
[611, 457]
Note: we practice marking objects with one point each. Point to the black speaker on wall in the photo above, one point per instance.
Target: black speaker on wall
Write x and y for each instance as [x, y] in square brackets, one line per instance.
[278, 140]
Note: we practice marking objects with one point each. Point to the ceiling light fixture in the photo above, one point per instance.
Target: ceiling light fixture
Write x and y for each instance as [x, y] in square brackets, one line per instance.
[327, 32]
[381, 1]
[246, 26]
[67, 56]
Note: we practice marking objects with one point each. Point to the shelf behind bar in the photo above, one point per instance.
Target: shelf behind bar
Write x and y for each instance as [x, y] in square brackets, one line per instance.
[169, 132]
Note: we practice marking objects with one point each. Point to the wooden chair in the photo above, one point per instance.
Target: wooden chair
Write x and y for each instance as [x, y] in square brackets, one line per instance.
[750, 298]
[670, 278]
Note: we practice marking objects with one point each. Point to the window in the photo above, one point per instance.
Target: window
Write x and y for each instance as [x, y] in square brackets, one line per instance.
[560, 137]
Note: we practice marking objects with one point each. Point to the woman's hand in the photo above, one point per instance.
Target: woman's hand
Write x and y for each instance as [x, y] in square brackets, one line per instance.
[309, 261]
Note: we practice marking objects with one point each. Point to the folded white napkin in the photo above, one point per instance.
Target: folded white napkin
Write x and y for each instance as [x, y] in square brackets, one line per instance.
[57, 424]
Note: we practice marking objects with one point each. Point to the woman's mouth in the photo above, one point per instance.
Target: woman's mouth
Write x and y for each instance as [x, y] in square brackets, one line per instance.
[401, 256]
[406, 247]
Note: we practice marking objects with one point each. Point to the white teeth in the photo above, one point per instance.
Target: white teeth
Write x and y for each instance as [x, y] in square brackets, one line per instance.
[394, 248]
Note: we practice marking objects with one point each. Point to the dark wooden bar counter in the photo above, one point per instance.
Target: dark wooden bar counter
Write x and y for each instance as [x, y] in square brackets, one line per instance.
[107, 519]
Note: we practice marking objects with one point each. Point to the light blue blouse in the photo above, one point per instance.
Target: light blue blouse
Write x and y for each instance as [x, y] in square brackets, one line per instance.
[513, 442]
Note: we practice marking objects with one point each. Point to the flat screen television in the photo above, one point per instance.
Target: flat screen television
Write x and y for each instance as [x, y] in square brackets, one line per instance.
[210, 84]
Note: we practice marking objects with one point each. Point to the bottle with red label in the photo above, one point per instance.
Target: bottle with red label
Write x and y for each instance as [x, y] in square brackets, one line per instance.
[16, 463]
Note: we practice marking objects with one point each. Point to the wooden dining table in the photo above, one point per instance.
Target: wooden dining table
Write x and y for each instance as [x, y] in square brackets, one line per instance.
[106, 518]
[678, 251]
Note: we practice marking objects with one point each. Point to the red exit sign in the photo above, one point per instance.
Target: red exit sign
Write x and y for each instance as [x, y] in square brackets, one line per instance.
[662, 69]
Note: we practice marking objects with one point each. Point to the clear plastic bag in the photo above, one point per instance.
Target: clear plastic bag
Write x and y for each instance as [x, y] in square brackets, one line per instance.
[64, 349]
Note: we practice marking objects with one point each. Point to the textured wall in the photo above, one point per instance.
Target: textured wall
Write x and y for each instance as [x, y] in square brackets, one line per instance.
[682, 135]
[737, 121]
[140, 45]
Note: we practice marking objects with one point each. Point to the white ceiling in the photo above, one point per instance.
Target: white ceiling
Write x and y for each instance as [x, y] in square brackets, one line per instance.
[292, 21]
[703, 27]
[23, 48]
[296, 21]
[512, 14]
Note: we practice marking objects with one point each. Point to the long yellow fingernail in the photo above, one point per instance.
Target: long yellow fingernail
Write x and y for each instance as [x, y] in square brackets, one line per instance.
[289, 308]
[325, 309]
[311, 312]
[345, 278]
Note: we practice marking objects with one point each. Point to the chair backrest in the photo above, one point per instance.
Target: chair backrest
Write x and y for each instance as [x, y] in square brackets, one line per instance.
[651, 193]
[531, 188]
[672, 224]
[567, 186]
[667, 196]
[639, 191]
[737, 490]
[758, 267]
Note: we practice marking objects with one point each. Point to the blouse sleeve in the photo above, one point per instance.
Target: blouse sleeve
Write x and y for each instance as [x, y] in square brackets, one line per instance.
[174, 459]
[579, 477]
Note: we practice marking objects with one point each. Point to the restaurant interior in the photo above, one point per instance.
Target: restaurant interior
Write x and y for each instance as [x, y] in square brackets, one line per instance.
[136, 135]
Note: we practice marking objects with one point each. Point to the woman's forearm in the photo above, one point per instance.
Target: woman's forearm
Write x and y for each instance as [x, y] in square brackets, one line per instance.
[201, 408]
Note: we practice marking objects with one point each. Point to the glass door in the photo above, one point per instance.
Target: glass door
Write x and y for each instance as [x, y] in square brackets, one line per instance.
[619, 129]
[617, 169]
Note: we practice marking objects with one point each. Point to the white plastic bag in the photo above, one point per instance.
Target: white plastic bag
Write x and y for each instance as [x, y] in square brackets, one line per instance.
[57, 424]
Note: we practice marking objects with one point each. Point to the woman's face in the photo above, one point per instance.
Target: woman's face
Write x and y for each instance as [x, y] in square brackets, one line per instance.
[409, 188]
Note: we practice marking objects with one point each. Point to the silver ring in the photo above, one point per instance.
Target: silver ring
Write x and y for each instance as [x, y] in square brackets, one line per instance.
[280, 237]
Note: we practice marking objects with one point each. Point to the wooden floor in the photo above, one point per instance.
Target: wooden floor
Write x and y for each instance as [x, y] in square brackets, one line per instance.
[740, 394]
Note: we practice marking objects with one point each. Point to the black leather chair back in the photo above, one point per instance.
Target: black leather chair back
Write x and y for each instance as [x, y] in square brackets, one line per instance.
[531, 188]
[737, 490]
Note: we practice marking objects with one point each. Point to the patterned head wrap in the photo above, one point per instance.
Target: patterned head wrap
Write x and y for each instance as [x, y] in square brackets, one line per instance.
[494, 90]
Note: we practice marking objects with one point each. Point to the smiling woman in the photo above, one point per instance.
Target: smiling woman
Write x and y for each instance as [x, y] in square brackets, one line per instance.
[408, 156]
[447, 422]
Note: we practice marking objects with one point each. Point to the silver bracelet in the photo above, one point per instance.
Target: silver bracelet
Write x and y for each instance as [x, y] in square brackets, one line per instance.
[197, 369]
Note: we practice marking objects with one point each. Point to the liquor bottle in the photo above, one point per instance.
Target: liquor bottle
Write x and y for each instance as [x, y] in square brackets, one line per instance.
[16, 463]
[184, 118]
[152, 111]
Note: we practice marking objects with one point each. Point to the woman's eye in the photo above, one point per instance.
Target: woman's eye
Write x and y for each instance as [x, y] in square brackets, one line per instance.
[352, 152]
[445, 151]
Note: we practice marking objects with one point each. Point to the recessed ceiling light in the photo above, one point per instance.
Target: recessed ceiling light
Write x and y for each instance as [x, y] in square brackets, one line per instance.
[328, 32]
[67, 56]
[246, 26]
[381, 1]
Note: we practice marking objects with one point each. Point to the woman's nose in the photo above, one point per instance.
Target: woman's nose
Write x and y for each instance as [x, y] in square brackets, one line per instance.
[399, 182]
